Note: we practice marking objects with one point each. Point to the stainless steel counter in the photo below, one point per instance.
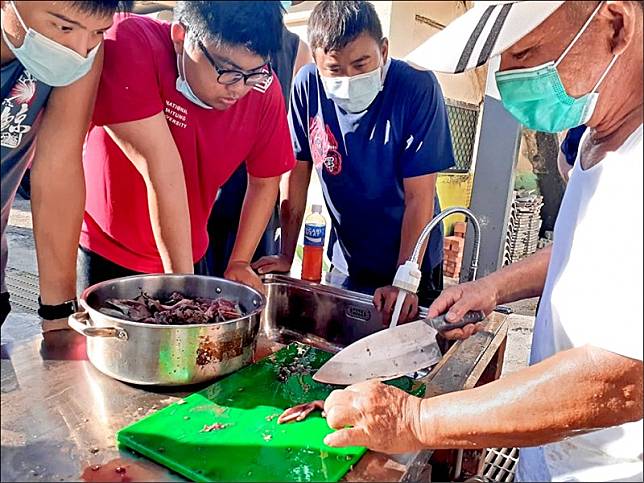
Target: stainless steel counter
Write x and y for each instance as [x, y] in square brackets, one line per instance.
[60, 415]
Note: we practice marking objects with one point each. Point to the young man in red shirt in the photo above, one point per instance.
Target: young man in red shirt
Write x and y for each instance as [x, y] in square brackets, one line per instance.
[180, 107]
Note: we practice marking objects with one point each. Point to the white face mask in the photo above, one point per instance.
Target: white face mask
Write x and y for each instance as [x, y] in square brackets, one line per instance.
[48, 61]
[355, 94]
[183, 86]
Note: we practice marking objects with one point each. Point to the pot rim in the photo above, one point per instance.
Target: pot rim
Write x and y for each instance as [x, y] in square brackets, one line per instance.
[91, 311]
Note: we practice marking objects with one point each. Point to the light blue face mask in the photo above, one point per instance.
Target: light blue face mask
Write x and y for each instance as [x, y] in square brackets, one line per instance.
[48, 61]
[286, 5]
[537, 98]
[183, 86]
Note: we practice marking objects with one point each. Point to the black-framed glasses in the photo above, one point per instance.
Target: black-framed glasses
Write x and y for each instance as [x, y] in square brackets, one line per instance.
[229, 77]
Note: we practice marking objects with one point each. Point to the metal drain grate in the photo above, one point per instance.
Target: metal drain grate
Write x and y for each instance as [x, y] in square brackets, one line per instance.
[24, 290]
[500, 464]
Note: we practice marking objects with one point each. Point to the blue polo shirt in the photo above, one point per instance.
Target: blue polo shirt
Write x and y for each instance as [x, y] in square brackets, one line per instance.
[570, 144]
[362, 160]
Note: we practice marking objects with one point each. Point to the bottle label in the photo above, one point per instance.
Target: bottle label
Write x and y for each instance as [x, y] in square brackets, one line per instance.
[314, 235]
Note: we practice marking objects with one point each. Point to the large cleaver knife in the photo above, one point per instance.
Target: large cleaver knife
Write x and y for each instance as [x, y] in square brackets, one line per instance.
[390, 353]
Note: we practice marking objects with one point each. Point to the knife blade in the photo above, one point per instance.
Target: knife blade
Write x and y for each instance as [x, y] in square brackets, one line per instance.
[390, 353]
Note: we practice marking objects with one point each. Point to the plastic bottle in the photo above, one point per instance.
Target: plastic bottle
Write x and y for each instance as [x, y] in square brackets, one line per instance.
[314, 233]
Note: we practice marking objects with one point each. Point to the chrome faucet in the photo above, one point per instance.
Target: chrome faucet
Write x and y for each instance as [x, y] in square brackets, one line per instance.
[476, 247]
[408, 275]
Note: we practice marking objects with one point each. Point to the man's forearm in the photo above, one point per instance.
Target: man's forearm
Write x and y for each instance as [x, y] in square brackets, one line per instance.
[417, 214]
[522, 279]
[58, 184]
[574, 391]
[257, 208]
[293, 191]
[57, 204]
[150, 147]
[420, 192]
[290, 220]
[170, 227]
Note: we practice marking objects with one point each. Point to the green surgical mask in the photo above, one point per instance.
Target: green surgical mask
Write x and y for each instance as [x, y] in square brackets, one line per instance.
[537, 98]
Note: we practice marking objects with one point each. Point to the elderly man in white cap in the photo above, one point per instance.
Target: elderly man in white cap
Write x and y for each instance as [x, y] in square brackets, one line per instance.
[577, 410]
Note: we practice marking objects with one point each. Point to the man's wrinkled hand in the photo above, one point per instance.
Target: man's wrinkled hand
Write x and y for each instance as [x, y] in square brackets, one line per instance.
[384, 299]
[273, 264]
[459, 299]
[380, 417]
[243, 273]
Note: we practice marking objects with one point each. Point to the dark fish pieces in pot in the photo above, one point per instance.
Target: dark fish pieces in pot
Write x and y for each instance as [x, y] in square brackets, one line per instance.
[176, 310]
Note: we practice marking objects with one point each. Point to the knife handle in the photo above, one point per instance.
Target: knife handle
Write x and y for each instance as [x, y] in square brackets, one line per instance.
[471, 317]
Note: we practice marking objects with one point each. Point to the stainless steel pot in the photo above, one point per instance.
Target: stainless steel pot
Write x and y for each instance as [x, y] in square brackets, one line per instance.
[168, 355]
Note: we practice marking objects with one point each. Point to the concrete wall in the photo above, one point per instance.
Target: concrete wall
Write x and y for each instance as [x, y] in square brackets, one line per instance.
[412, 23]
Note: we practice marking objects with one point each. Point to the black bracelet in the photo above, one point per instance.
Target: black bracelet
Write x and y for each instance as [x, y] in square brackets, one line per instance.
[60, 311]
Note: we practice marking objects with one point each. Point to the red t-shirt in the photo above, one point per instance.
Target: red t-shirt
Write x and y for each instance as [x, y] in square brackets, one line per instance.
[138, 81]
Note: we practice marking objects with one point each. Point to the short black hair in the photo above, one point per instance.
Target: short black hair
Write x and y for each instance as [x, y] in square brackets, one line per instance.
[255, 25]
[333, 24]
[104, 7]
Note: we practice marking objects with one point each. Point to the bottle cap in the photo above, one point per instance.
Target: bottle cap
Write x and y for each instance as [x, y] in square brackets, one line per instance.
[316, 208]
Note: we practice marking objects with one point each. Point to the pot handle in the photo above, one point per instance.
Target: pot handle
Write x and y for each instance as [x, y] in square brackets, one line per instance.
[78, 322]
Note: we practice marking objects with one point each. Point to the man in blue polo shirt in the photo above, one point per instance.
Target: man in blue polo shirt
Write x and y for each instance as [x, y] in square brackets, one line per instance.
[568, 151]
[376, 131]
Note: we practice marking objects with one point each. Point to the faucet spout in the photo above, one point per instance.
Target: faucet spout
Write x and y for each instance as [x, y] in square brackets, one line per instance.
[476, 247]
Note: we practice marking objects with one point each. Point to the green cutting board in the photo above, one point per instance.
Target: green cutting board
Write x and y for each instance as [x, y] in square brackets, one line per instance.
[249, 445]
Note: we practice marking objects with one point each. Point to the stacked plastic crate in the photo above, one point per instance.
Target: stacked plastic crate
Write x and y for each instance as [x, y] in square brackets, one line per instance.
[524, 225]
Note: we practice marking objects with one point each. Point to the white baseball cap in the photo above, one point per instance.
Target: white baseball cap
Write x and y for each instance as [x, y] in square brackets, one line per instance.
[484, 31]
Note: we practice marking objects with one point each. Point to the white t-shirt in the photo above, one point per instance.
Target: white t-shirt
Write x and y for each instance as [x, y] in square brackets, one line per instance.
[593, 296]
